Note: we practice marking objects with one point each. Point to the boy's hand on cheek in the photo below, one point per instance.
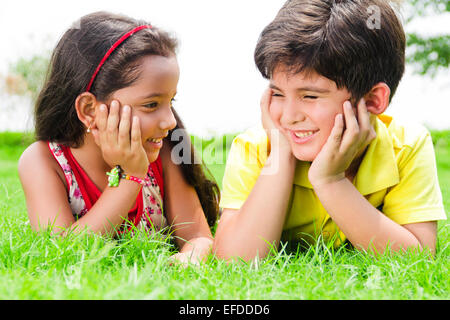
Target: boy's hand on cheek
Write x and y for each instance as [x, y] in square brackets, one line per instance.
[343, 145]
[276, 137]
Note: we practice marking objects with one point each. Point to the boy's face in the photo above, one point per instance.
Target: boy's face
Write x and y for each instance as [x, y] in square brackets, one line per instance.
[304, 106]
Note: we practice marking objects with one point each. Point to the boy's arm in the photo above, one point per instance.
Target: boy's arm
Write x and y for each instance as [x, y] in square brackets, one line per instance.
[368, 228]
[251, 231]
[365, 226]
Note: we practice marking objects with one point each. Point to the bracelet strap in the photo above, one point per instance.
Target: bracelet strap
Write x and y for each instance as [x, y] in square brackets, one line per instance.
[116, 174]
[144, 182]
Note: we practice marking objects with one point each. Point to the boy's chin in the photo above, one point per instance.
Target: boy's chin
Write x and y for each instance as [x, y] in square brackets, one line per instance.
[304, 156]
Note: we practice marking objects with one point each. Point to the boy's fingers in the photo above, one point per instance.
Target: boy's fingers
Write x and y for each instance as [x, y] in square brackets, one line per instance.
[351, 123]
[124, 128]
[364, 121]
[352, 130]
[265, 102]
[335, 137]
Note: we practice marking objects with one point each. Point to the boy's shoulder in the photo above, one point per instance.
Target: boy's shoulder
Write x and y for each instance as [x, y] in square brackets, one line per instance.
[255, 135]
[404, 134]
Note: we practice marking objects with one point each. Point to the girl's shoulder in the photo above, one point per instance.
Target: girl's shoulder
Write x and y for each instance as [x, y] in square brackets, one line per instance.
[36, 152]
[38, 157]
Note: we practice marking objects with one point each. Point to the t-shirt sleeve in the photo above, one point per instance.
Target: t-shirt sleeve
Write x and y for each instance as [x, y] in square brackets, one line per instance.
[246, 159]
[417, 197]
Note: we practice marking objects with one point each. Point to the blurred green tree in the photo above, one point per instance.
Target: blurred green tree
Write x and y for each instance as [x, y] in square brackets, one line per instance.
[428, 54]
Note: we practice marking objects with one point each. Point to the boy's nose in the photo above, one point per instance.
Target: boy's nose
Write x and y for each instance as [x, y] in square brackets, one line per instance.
[292, 113]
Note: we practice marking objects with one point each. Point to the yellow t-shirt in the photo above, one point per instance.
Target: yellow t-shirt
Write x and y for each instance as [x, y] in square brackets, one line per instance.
[397, 175]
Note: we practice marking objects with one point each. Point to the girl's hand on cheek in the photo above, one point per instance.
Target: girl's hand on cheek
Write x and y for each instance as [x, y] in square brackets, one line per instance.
[119, 138]
[276, 137]
[343, 145]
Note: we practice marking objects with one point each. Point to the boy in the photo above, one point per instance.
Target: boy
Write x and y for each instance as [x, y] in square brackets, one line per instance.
[343, 170]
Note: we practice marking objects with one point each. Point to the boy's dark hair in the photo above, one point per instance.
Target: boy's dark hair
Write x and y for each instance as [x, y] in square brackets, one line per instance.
[72, 65]
[338, 39]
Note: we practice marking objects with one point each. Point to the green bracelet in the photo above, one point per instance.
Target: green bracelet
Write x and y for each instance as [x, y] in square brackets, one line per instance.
[114, 176]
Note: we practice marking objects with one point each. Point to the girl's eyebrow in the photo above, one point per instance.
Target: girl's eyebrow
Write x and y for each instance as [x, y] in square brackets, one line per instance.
[152, 95]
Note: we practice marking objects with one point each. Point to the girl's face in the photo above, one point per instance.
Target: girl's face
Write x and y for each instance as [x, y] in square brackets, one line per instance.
[150, 98]
[304, 107]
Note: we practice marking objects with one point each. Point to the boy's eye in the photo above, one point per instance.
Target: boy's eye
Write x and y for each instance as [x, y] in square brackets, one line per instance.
[310, 97]
[276, 94]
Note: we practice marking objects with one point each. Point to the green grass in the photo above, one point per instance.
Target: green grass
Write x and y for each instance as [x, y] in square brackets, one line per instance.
[40, 266]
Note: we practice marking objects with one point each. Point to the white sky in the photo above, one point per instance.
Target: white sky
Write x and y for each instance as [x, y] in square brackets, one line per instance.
[220, 87]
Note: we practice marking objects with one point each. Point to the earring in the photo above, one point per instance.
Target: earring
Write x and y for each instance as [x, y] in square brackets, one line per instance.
[89, 129]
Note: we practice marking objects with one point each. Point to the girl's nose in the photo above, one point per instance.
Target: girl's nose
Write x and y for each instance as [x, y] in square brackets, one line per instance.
[168, 121]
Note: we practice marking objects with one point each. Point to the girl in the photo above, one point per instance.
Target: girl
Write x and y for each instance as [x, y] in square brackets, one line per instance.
[103, 123]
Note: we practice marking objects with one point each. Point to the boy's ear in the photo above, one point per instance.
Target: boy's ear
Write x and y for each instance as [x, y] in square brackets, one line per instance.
[377, 100]
[85, 106]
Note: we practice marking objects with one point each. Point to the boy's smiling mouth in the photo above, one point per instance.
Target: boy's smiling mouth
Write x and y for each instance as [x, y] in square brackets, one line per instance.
[302, 136]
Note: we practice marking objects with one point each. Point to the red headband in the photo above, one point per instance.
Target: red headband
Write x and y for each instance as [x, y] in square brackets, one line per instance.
[114, 46]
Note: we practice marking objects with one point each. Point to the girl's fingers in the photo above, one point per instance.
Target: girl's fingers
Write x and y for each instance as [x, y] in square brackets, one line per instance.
[136, 142]
[101, 121]
[124, 128]
[113, 122]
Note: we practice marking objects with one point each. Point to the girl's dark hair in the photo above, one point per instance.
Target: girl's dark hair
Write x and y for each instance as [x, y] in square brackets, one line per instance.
[339, 39]
[72, 65]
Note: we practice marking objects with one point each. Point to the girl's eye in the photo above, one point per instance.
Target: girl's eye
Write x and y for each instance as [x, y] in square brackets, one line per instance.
[151, 105]
[277, 95]
[310, 97]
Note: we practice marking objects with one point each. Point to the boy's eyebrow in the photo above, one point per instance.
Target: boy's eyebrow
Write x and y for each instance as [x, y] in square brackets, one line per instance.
[309, 88]
[314, 89]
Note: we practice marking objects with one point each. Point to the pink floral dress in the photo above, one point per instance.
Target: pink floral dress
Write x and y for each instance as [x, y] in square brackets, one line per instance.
[82, 192]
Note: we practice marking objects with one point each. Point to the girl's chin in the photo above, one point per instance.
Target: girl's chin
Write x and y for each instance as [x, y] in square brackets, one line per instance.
[152, 155]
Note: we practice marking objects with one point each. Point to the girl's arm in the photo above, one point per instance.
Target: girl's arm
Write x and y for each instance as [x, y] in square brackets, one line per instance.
[252, 230]
[44, 188]
[46, 197]
[366, 227]
[185, 213]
